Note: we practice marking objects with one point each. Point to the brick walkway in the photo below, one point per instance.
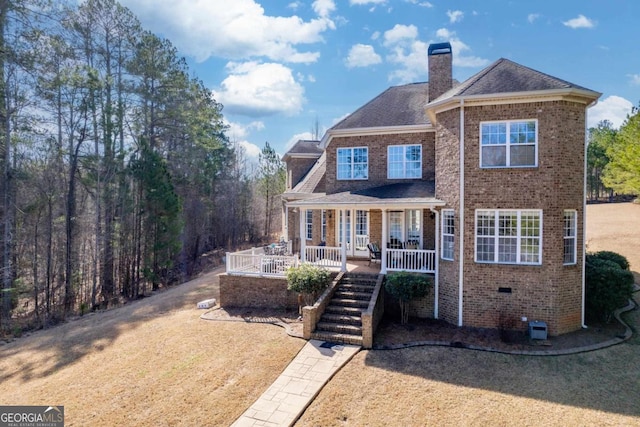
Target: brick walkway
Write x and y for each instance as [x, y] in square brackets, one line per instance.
[287, 398]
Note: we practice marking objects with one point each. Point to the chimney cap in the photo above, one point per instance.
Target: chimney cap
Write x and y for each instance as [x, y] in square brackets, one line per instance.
[439, 48]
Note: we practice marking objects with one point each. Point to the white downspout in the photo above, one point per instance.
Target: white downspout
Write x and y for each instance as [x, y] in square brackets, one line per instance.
[461, 215]
[343, 252]
[436, 280]
[584, 219]
[303, 235]
[383, 244]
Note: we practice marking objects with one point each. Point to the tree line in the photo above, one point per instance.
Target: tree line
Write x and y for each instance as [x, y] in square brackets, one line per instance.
[613, 159]
[116, 174]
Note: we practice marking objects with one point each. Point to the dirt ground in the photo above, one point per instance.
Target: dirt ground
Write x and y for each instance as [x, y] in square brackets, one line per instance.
[156, 362]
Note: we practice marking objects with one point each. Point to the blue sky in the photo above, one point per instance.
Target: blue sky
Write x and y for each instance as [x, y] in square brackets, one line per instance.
[279, 66]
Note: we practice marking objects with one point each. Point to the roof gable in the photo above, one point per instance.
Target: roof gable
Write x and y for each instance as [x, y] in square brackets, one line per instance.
[505, 76]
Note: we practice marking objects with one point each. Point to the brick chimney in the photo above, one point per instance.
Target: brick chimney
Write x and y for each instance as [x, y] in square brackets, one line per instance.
[440, 73]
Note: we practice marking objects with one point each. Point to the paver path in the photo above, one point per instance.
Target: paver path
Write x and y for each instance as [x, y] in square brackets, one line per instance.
[287, 398]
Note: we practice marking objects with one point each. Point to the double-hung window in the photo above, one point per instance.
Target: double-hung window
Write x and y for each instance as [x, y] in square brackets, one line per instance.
[570, 241]
[448, 230]
[509, 144]
[309, 224]
[353, 163]
[509, 236]
[404, 161]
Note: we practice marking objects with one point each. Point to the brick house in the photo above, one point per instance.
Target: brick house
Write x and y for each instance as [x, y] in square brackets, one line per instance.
[481, 184]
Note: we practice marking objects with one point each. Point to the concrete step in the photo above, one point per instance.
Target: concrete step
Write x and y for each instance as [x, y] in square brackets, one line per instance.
[344, 310]
[339, 327]
[336, 337]
[357, 287]
[349, 302]
[357, 280]
[345, 319]
[345, 294]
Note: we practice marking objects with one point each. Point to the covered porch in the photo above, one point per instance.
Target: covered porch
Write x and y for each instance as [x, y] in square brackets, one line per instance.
[395, 226]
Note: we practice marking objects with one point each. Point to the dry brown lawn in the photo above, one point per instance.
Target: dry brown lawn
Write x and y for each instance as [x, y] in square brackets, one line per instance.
[155, 362]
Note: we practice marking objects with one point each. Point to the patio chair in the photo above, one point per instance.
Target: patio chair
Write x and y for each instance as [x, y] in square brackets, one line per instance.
[375, 254]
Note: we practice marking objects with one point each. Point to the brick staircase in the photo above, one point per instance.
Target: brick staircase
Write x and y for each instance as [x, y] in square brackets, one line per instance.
[341, 321]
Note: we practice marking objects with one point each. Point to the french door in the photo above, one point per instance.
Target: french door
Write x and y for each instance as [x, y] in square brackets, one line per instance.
[358, 234]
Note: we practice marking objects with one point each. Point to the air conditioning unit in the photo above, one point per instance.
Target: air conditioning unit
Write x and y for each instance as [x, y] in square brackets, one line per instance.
[538, 330]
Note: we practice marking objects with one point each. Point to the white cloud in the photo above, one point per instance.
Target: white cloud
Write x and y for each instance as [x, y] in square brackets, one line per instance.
[532, 17]
[365, 2]
[455, 16]
[420, 3]
[634, 78]
[254, 89]
[459, 48]
[580, 22]
[400, 33]
[412, 60]
[362, 55]
[234, 29]
[237, 131]
[324, 7]
[613, 108]
[251, 150]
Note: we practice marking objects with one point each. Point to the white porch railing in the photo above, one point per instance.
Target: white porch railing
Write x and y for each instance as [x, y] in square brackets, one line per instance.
[417, 260]
[323, 256]
[254, 262]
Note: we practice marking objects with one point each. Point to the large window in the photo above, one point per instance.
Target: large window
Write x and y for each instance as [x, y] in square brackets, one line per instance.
[509, 144]
[509, 236]
[570, 241]
[404, 161]
[309, 224]
[353, 163]
[448, 230]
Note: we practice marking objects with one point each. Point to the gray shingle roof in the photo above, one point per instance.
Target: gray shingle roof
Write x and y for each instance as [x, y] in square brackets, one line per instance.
[505, 76]
[313, 181]
[396, 106]
[391, 194]
[304, 146]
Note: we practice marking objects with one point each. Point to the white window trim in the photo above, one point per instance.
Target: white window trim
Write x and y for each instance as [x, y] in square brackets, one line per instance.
[574, 236]
[404, 163]
[323, 226]
[352, 178]
[309, 224]
[507, 145]
[496, 237]
[445, 213]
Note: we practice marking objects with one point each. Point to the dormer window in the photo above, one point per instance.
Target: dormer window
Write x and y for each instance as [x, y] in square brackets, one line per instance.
[353, 163]
[404, 162]
[509, 144]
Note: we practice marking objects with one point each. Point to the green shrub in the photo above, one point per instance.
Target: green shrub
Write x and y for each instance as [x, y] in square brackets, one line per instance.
[405, 287]
[613, 256]
[308, 280]
[607, 287]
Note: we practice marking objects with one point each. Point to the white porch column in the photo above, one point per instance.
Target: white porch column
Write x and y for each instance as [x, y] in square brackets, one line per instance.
[285, 220]
[383, 244]
[303, 235]
[436, 276]
[343, 252]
